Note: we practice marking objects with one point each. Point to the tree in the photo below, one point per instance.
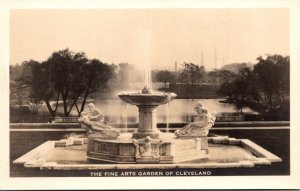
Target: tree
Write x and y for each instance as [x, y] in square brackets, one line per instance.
[240, 89]
[20, 77]
[165, 77]
[241, 92]
[226, 89]
[226, 76]
[273, 74]
[96, 77]
[221, 76]
[36, 93]
[264, 89]
[192, 73]
[68, 76]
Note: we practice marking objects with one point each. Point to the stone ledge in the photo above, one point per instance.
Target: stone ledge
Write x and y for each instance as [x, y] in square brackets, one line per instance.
[55, 166]
[220, 140]
[35, 153]
[145, 166]
[173, 126]
[246, 164]
[234, 141]
[70, 141]
[264, 158]
[259, 151]
[262, 161]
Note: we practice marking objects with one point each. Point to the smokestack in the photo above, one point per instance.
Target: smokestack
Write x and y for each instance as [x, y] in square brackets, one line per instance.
[216, 64]
[202, 59]
[175, 66]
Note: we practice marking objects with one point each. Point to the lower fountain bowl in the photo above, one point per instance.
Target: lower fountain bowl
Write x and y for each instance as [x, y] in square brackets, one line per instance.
[169, 149]
[124, 151]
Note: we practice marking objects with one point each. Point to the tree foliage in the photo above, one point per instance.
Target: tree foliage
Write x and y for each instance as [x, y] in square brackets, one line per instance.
[165, 76]
[264, 88]
[274, 74]
[69, 77]
[192, 73]
[20, 78]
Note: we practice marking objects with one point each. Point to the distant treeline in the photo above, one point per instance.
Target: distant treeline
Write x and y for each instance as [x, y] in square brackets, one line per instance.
[70, 77]
[265, 88]
[193, 91]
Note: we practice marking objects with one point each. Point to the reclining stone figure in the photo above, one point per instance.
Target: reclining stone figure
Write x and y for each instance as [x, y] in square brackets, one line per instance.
[93, 120]
[201, 125]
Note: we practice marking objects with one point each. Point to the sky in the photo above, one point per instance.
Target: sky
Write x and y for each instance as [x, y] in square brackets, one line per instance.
[151, 37]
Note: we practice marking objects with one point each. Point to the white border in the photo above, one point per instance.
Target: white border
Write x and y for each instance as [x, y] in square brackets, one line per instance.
[240, 182]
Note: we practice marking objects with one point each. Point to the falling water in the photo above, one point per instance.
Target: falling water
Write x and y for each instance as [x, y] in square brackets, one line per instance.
[147, 79]
[168, 114]
[125, 118]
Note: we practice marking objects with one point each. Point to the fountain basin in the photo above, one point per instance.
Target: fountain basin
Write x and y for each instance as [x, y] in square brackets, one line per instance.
[123, 151]
[224, 153]
[156, 98]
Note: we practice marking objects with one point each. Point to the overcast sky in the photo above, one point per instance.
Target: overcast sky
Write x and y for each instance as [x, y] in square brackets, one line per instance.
[151, 36]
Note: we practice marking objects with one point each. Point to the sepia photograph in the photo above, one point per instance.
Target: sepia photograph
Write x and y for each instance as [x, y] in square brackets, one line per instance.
[151, 92]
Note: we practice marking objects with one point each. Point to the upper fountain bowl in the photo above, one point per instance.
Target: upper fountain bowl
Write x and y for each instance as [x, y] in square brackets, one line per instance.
[147, 97]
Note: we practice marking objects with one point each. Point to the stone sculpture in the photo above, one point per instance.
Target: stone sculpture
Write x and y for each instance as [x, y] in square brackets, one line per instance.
[93, 120]
[201, 125]
[147, 149]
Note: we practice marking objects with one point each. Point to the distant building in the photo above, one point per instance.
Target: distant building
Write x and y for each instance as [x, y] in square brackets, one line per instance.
[235, 67]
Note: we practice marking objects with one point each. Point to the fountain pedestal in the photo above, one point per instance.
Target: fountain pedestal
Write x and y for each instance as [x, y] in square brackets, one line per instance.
[147, 122]
[147, 101]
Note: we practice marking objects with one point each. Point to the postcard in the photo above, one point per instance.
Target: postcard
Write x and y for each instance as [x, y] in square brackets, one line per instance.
[190, 95]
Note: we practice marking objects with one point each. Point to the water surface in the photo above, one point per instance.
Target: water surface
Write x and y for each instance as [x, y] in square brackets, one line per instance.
[180, 110]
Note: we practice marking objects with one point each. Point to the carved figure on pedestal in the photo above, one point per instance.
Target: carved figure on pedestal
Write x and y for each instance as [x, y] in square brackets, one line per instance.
[201, 125]
[93, 120]
[147, 149]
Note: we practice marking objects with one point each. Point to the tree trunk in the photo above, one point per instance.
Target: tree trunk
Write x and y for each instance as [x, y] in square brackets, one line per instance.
[65, 107]
[74, 103]
[85, 95]
[76, 106]
[270, 100]
[52, 112]
[65, 103]
[266, 99]
[84, 101]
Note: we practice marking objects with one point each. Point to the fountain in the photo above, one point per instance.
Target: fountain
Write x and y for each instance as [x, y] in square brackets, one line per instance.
[188, 147]
[148, 144]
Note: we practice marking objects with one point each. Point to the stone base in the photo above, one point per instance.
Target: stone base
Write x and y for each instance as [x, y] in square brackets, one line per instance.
[140, 135]
[250, 155]
[169, 151]
[123, 151]
[187, 150]
[147, 160]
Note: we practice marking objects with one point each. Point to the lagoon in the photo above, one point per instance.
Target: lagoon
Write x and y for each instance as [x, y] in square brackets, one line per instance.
[180, 110]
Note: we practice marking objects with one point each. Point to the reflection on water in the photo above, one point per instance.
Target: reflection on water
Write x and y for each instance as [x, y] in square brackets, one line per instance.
[180, 110]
